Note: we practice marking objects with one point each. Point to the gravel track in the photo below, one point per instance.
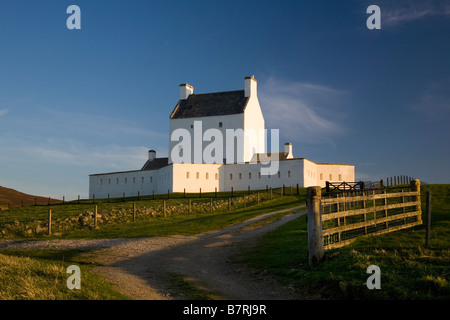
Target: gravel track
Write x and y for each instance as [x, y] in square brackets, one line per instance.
[141, 268]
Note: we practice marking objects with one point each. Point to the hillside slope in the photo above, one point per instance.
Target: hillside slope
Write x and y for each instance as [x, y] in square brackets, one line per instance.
[16, 199]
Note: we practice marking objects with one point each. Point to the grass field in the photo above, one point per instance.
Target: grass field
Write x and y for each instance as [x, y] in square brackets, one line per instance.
[408, 269]
[41, 274]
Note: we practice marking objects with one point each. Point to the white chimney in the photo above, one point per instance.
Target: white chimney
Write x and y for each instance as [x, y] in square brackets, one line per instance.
[288, 150]
[151, 155]
[250, 86]
[185, 91]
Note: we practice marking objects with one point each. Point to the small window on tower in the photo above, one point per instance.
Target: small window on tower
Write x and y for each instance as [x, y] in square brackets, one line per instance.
[220, 124]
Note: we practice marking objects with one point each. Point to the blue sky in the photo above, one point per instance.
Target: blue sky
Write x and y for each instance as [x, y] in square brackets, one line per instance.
[77, 102]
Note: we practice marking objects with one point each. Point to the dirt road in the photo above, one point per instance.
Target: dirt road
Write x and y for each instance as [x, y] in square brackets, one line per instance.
[144, 268]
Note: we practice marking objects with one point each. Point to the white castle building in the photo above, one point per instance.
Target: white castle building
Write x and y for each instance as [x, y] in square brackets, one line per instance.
[218, 143]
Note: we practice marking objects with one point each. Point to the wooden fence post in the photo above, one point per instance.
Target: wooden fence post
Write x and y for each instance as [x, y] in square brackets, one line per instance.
[49, 222]
[427, 239]
[415, 187]
[95, 217]
[164, 208]
[315, 236]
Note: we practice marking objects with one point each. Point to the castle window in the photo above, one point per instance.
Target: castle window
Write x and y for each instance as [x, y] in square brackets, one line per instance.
[117, 181]
[331, 177]
[279, 174]
[321, 176]
[142, 180]
[340, 177]
[187, 175]
[192, 126]
[217, 176]
[289, 174]
[249, 175]
[109, 181]
[231, 176]
[207, 175]
[259, 175]
[101, 182]
[240, 176]
[134, 180]
[220, 124]
[198, 175]
[125, 180]
[151, 179]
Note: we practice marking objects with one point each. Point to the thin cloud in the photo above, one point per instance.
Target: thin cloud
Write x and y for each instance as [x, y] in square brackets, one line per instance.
[434, 103]
[395, 13]
[3, 112]
[303, 111]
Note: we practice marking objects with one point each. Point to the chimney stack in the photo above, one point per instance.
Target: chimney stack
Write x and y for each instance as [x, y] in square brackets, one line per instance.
[152, 155]
[288, 150]
[185, 91]
[250, 86]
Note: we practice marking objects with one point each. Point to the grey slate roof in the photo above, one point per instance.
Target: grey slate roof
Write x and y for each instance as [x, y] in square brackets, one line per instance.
[155, 164]
[265, 157]
[210, 104]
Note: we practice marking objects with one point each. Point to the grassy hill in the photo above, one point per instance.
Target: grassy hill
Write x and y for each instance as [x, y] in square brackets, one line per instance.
[10, 198]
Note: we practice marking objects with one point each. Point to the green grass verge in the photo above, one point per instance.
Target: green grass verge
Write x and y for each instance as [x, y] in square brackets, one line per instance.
[41, 275]
[408, 269]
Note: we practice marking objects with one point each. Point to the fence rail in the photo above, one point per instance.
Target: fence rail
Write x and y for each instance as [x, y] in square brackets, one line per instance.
[74, 214]
[338, 220]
